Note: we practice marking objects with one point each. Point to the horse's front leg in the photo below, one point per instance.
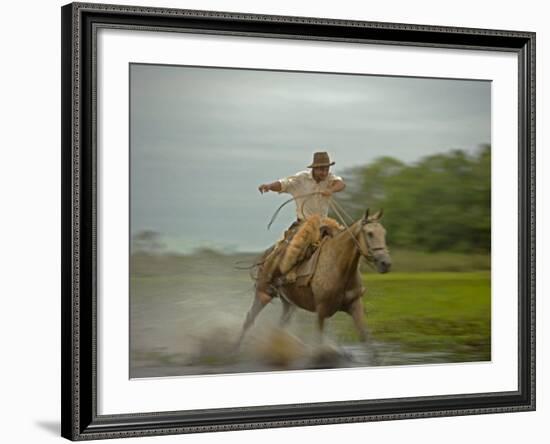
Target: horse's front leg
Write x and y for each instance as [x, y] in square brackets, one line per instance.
[356, 311]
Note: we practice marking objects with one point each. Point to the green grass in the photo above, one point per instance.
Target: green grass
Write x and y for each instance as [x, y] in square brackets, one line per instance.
[446, 313]
[408, 261]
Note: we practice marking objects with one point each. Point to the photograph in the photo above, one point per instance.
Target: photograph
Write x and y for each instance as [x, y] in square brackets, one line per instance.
[275, 221]
[296, 221]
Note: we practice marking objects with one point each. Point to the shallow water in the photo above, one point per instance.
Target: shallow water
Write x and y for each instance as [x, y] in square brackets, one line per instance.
[346, 356]
[186, 322]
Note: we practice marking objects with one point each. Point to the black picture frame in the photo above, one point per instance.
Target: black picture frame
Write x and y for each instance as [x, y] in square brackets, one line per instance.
[80, 419]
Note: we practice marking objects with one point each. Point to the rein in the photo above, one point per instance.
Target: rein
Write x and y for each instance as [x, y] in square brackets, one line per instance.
[333, 205]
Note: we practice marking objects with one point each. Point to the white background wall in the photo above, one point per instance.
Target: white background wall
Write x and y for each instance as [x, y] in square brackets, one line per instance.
[30, 221]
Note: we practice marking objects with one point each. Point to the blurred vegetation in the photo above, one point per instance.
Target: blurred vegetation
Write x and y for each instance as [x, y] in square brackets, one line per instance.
[440, 203]
[198, 265]
[147, 242]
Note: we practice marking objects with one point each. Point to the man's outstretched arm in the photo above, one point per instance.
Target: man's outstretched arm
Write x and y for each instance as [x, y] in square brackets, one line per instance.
[274, 186]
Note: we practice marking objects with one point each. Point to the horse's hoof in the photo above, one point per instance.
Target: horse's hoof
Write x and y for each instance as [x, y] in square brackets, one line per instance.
[236, 348]
[281, 349]
[329, 356]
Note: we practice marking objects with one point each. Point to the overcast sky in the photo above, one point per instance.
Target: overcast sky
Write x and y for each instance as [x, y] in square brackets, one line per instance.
[203, 139]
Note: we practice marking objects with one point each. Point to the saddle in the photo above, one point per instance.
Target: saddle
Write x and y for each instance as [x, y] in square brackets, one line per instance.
[293, 259]
[303, 272]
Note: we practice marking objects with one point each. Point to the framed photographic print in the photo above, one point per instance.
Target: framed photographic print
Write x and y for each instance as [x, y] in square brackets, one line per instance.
[275, 221]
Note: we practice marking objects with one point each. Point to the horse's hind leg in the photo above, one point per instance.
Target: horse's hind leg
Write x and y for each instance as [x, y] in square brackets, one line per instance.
[260, 301]
[322, 314]
[288, 309]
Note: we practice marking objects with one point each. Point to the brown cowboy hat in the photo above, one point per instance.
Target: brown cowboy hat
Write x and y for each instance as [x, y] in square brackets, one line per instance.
[321, 159]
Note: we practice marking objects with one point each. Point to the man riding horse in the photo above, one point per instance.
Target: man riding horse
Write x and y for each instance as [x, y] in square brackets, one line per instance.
[311, 190]
[324, 279]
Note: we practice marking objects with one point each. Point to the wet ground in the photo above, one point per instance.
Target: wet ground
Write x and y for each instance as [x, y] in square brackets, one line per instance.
[185, 321]
[316, 357]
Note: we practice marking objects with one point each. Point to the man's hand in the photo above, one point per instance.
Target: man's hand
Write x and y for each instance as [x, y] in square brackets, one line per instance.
[264, 188]
[336, 186]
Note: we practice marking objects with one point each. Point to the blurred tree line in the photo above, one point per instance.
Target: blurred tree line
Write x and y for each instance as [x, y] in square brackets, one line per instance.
[440, 203]
[147, 242]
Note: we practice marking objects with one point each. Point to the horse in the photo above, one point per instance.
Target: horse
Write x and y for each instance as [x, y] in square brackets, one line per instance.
[336, 282]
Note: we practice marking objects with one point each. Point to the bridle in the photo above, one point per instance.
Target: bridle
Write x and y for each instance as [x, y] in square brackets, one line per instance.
[369, 254]
[371, 251]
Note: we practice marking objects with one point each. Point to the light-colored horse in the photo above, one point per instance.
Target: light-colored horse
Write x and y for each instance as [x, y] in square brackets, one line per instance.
[336, 284]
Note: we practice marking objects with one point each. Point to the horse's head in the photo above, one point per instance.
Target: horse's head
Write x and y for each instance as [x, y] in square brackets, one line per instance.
[373, 241]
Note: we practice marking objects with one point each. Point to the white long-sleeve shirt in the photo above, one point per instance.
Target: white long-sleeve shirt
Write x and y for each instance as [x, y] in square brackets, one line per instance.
[301, 185]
